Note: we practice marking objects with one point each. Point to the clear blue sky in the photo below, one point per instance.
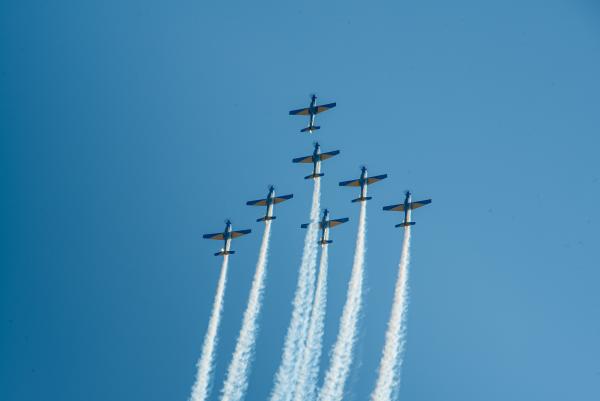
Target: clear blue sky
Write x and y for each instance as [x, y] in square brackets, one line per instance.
[130, 128]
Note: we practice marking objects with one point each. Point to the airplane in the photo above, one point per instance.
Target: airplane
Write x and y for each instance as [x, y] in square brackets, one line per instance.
[324, 225]
[312, 111]
[227, 235]
[269, 201]
[363, 182]
[407, 207]
[316, 158]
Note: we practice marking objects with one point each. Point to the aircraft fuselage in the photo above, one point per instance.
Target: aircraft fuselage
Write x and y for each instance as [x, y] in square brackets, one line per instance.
[270, 203]
[227, 238]
[363, 183]
[325, 228]
[407, 208]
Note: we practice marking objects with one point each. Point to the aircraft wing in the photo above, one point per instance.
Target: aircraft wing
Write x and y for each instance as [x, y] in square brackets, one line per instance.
[336, 222]
[416, 205]
[376, 178]
[259, 202]
[351, 183]
[214, 236]
[279, 199]
[300, 112]
[235, 234]
[305, 159]
[329, 155]
[305, 225]
[413, 205]
[325, 107]
[395, 208]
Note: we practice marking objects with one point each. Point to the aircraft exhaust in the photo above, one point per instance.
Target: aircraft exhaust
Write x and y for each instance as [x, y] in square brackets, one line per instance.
[287, 373]
[388, 380]
[236, 383]
[343, 349]
[204, 366]
[306, 384]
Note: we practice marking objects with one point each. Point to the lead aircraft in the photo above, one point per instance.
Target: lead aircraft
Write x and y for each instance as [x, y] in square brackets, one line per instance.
[269, 201]
[312, 111]
[316, 158]
[227, 235]
[325, 224]
[406, 207]
[363, 182]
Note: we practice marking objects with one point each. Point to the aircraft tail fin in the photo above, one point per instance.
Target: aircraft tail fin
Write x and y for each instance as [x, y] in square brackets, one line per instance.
[314, 175]
[266, 218]
[223, 253]
[405, 224]
[310, 128]
[362, 199]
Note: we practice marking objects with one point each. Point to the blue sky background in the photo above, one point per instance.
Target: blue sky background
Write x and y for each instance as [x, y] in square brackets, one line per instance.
[128, 129]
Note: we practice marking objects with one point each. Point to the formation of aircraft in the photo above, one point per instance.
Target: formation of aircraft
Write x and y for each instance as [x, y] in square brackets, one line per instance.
[316, 158]
[269, 201]
[363, 182]
[407, 207]
[227, 235]
[325, 224]
[312, 111]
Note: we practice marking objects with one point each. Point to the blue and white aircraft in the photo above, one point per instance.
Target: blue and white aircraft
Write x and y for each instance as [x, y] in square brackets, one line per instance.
[312, 111]
[269, 201]
[324, 225]
[363, 182]
[407, 207]
[227, 236]
[316, 159]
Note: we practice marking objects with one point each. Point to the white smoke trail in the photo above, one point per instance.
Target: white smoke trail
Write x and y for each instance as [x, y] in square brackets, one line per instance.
[341, 356]
[236, 383]
[390, 365]
[205, 363]
[287, 373]
[309, 367]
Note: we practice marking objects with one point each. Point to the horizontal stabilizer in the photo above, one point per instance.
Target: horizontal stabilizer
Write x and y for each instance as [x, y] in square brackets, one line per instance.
[223, 253]
[325, 241]
[362, 199]
[410, 223]
[266, 218]
[310, 129]
[314, 176]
